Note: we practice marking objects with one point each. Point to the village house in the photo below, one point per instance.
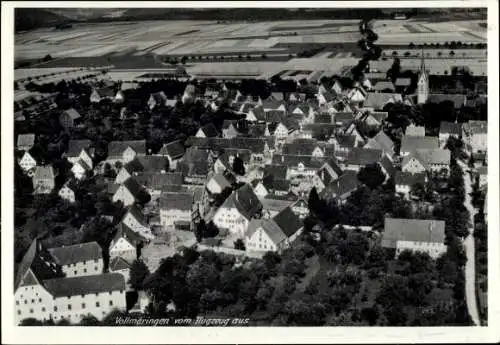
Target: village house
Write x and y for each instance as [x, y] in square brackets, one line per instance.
[125, 151]
[269, 105]
[124, 87]
[195, 166]
[25, 142]
[67, 192]
[427, 160]
[325, 98]
[304, 147]
[447, 130]
[341, 188]
[343, 143]
[356, 95]
[381, 142]
[81, 169]
[207, 131]
[377, 101]
[328, 173]
[218, 183]
[285, 128]
[402, 84]
[422, 235]
[299, 166]
[174, 151]
[410, 144]
[69, 118]
[177, 211]
[275, 234]
[129, 192]
[79, 259]
[42, 292]
[80, 150]
[237, 211]
[124, 244]
[404, 182]
[300, 208]
[225, 161]
[375, 119]
[43, 179]
[156, 183]
[157, 99]
[229, 129]
[28, 163]
[384, 86]
[121, 266]
[358, 158]
[142, 165]
[256, 114]
[475, 136]
[100, 94]
[273, 204]
[135, 220]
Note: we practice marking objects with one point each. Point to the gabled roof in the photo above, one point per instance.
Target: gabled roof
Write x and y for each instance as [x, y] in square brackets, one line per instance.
[271, 104]
[67, 255]
[157, 181]
[380, 116]
[39, 262]
[288, 222]
[323, 118]
[136, 212]
[383, 85]
[379, 100]
[44, 172]
[387, 165]
[118, 264]
[275, 115]
[382, 142]
[300, 147]
[346, 140]
[176, 201]
[147, 164]
[105, 92]
[343, 118]
[72, 113]
[130, 235]
[345, 184]
[221, 181]
[408, 179]
[174, 149]
[245, 201]
[26, 140]
[209, 130]
[277, 171]
[277, 96]
[450, 128]
[116, 148]
[195, 162]
[133, 186]
[363, 156]
[412, 230]
[411, 143]
[438, 156]
[75, 147]
[294, 160]
[159, 97]
[84, 285]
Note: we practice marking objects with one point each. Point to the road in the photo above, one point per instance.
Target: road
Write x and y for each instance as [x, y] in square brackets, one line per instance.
[470, 266]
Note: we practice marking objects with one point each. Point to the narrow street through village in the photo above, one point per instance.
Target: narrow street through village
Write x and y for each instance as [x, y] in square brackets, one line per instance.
[470, 267]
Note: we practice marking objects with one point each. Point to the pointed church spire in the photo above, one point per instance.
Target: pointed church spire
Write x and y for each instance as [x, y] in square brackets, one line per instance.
[422, 63]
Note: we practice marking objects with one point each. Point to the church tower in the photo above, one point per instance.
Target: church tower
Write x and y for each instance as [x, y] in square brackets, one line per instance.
[423, 83]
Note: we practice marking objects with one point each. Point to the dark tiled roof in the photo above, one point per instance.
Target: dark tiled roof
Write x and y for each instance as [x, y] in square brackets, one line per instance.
[105, 92]
[288, 222]
[378, 100]
[413, 230]
[277, 171]
[300, 147]
[345, 184]
[387, 165]
[76, 146]
[323, 118]
[176, 201]
[408, 179]
[118, 263]
[362, 156]
[72, 113]
[130, 235]
[133, 186]
[294, 160]
[383, 85]
[209, 130]
[411, 143]
[382, 142]
[157, 181]
[116, 148]
[174, 149]
[82, 252]
[35, 260]
[245, 201]
[343, 118]
[85, 285]
[147, 164]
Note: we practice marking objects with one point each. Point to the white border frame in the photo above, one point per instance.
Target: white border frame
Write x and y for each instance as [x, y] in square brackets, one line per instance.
[151, 335]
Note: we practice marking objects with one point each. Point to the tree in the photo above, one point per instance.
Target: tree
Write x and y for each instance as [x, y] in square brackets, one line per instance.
[418, 190]
[239, 244]
[138, 272]
[371, 175]
[89, 320]
[238, 166]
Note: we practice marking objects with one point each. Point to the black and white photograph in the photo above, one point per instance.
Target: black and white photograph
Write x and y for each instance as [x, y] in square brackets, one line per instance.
[234, 166]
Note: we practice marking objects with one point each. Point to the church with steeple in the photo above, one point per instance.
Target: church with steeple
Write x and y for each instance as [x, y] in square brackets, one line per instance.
[423, 83]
